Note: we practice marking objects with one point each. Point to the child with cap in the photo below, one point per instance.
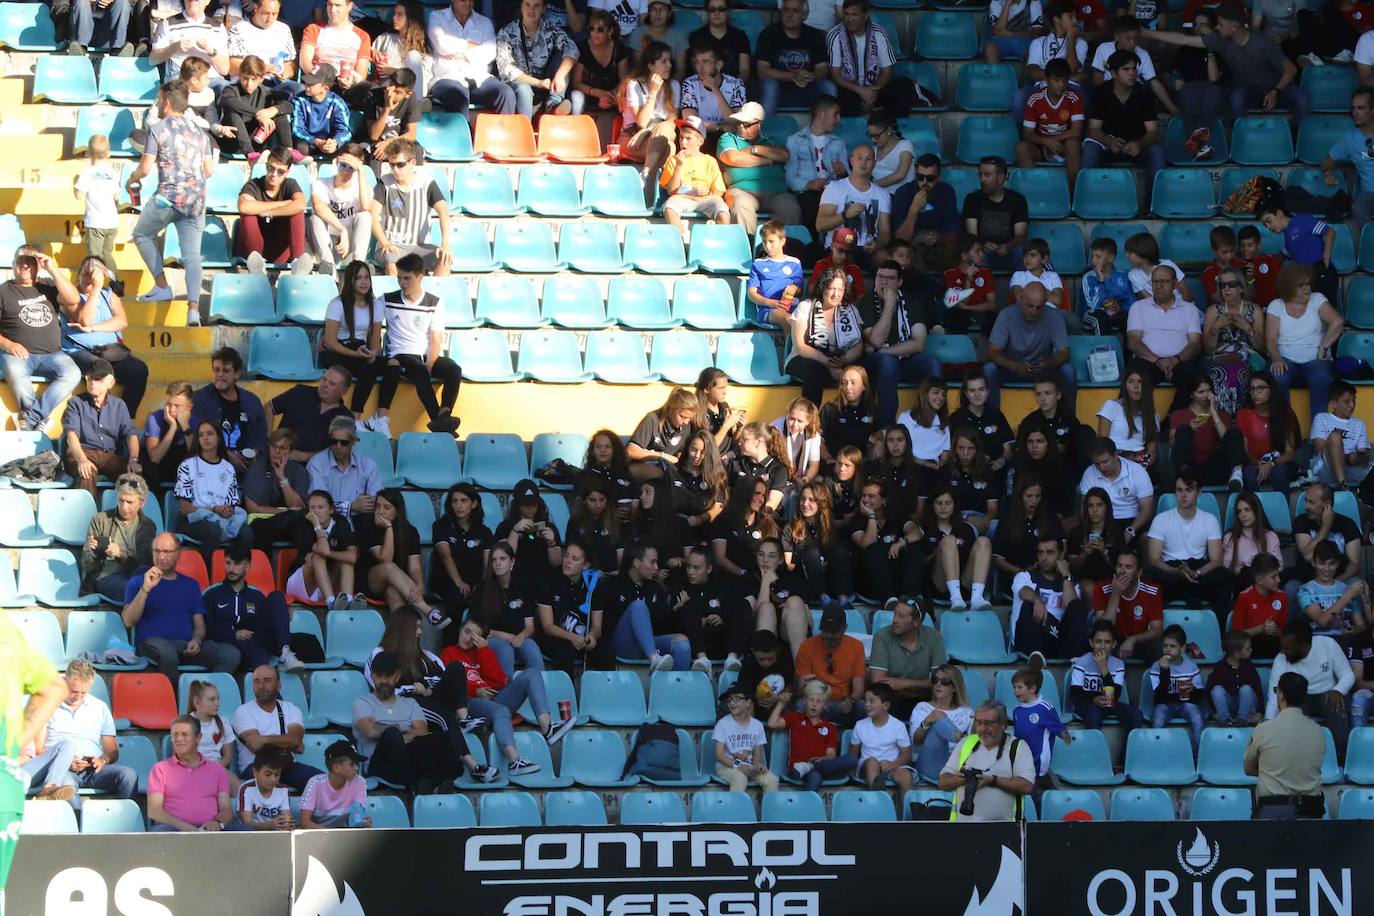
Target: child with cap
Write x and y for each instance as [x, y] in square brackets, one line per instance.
[841, 245]
[538, 550]
[338, 796]
[739, 739]
[693, 180]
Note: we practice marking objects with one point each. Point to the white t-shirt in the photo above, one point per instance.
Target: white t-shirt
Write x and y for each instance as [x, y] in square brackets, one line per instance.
[205, 484]
[1050, 46]
[801, 449]
[1164, 331]
[1354, 433]
[626, 12]
[1185, 539]
[1084, 675]
[961, 718]
[1140, 278]
[876, 201]
[259, 807]
[1114, 413]
[343, 201]
[209, 748]
[1053, 598]
[739, 740]
[927, 442]
[1108, 48]
[409, 324]
[823, 14]
[362, 317]
[637, 93]
[1130, 486]
[892, 161]
[1048, 279]
[1299, 338]
[881, 742]
[250, 717]
[1364, 50]
[273, 44]
[100, 182]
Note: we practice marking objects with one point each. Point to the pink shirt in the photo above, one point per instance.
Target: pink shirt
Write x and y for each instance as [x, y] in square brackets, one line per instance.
[325, 800]
[1246, 549]
[189, 793]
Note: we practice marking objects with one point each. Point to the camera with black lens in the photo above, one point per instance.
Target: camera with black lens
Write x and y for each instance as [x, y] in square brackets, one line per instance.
[971, 776]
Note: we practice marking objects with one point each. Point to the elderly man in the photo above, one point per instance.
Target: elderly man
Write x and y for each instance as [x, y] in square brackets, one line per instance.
[1322, 661]
[269, 721]
[1164, 333]
[895, 338]
[904, 653]
[536, 58]
[186, 792]
[1029, 340]
[236, 411]
[348, 476]
[856, 202]
[1286, 754]
[118, 541]
[792, 60]
[94, 425]
[1127, 484]
[837, 659]
[463, 45]
[308, 412]
[165, 611]
[31, 336]
[997, 216]
[79, 749]
[1006, 764]
[754, 171]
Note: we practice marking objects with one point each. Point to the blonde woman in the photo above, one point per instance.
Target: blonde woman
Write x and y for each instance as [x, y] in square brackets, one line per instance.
[941, 722]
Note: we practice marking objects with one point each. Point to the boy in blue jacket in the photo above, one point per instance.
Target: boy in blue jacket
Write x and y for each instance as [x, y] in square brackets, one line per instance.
[319, 118]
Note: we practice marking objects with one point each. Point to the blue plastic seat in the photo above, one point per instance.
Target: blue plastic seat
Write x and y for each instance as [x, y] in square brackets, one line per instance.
[526, 246]
[856, 805]
[444, 811]
[115, 123]
[94, 631]
[495, 461]
[284, 354]
[532, 746]
[705, 303]
[750, 359]
[640, 303]
[1359, 344]
[303, 299]
[446, 137]
[508, 302]
[1046, 190]
[1221, 755]
[352, 635]
[1359, 757]
[242, 299]
[1211, 804]
[1117, 232]
[420, 513]
[128, 80]
[1066, 246]
[471, 248]
[591, 247]
[613, 698]
[1079, 348]
[550, 190]
[679, 357]
[682, 698]
[1318, 133]
[315, 743]
[378, 447]
[27, 27]
[723, 808]
[484, 355]
[137, 753]
[1176, 138]
[1105, 194]
[66, 80]
[229, 697]
[986, 135]
[457, 300]
[1003, 691]
[574, 302]
[111, 815]
[985, 87]
[290, 686]
[484, 190]
[853, 131]
[51, 575]
[574, 809]
[1160, 757]
[720, 249]
[18, 527]
[1186, 243]
[1331, 771]
[546, 447]
[618, 356]
[1086, 762]
[387, 811]
[43, 816]
[1343, 249]
[551, 356]
[427, 460]
[1357, 804]
[1135, 804]
[215, 242]
[42, 632]
[595, 758]
[1183, 194]
[946, 35]
[924, 74]
[975, 638]
[1313, 181]
[1262, 140]
[963, 180]
[655, 249]
[1202, 628]
[9, 595]
[1234, 178]
[1329, 87]
[649, 808]
[793, 808]
[332, 693]
[614, 190]
[1058, 802]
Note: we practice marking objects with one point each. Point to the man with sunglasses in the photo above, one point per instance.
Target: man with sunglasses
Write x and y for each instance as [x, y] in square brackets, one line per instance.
[837, 659]
[272, 218]
[904, 655]
[401, 204]
[340, 226]
[348, 476]
[929, 216]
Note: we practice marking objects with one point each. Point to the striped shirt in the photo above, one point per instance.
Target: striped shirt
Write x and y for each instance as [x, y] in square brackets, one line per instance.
[410, 324]
[179, 28]
[405, 211]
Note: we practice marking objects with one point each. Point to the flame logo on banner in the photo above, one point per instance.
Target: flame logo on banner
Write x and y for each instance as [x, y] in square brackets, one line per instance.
[319, 894]
[1199, 859]
[1006, 896]
[765, 879]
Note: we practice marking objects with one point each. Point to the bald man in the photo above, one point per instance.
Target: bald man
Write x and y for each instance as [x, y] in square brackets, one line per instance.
[1030, 341]
[165, 611]
[1164, 335]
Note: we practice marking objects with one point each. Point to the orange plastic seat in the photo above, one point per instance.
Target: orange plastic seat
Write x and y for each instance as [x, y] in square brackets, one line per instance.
[506, 138]
[570, 138]
[286, 557]
[146, 699]
[192, 564]
[259, 570]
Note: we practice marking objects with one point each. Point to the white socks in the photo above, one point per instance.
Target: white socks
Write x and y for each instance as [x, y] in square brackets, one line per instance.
[955, 592]
[977, 592]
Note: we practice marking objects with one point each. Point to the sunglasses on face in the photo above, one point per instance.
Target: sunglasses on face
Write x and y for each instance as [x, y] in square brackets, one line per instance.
[345, 167]
[401, 164]
[943, 681]
[277, 170]
[717, 9]
[924, 177]
[1228, 284]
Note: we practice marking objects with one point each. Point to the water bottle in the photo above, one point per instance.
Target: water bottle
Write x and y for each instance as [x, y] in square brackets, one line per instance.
[356, 814]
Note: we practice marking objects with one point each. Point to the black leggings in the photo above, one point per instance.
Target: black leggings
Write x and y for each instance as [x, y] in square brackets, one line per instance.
[1216, 469]
[406, 763]
[364, 373]
[414, 371]
[731, 636]
[813, 376]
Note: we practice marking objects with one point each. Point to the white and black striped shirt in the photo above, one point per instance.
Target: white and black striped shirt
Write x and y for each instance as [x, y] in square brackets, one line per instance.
[179, 28]
[405, 211]
[410, 324]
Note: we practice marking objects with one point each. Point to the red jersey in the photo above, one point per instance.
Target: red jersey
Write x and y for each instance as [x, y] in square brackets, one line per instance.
[1253, 609]
[1050, 119]
[851, 273]
[1209, 278]
[1091, 15]
[1255, 429]
[1264, 277]
[482, 667]
[809, 740]
[1134, 614]
[983, 284]
[1360, 16]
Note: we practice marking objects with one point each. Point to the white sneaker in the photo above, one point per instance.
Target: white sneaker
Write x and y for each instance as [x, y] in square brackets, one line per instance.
[957, 604]
[980, 604]
[1312, 60]
[304, 265]
[157, 294]
[193, 317]
[289, 662]
[702, 664]
[379, 424]
[801, 768]
[1237, 481]
[660, 662]
[257, 264]
[733, 663]
[1345, 56]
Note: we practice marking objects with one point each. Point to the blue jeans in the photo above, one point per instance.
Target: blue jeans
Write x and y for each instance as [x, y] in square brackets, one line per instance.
[773, 94]
[457, 95]
[889, 371]
[1190, 711]
[1234, 708]
[528, 98]
[1316, 375]
[1152, 156]
[1361, 701]
[633, 637]
[63, 376]
[995, 375]
[211, 528]
[107, 28]
[157, 215]
[934, 751]
[528, 654]
[1293, 97]
[827, 768]
[53, 767]
[497, 710]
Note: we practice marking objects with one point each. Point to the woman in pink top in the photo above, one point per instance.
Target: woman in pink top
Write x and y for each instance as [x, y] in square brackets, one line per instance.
[1250, 535]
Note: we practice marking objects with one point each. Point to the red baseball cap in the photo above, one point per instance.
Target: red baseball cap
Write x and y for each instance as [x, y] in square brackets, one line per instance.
[843, 239]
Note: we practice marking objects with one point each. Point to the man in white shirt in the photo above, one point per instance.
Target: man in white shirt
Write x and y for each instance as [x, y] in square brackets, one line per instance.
[265, 36]
[463, 45]
[1164, 334]
[79, 750]
[1007, 763]
[1322, 661]
[857, 202]
[414, 349]
[269, 721]
[192, 34]
[1184, 552]
[1127, 484]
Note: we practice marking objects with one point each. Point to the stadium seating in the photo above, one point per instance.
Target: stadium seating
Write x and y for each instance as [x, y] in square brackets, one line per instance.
[485, 190]
[229, 699]
[1220, 755]
[650, 808]
[857, 805]
[986, 135]
[1046, 191]
[284, 354]
[723, 808]
[1359, 756]
[332, 694]
[1318, 133]
[946, 35]
[1160, 757]
[1357, 804]
[1183, 194]
[26, 27]
[792, 808]
[614, 192]
[1105, 194]
[352, 635]
[96, 631]
[42, 632]
[111, 815]
[591, 247]
[525, 246]
[1085, 762]
[985, 87]
[495, 461]
[47, 817]
[532, 746]
[145, 699]
[574, 809]
[1209, 804]
[67, 80]
[975, 637]
[640, 303]
[719, 249]
[427, 460]
[595, 758]
[1133, 804]
[550, 190]
[749, 359]
[51, 576]
[387, 811]
[552, 357]
[446, 137]
[443, 811]
[1058, 802]
[505, 138]
[681, 698]
[1202, 628]
[1261, 140]
[570, 138]
[678, 358]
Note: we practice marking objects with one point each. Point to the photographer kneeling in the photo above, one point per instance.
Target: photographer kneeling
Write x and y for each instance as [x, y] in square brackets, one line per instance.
[1000, 770]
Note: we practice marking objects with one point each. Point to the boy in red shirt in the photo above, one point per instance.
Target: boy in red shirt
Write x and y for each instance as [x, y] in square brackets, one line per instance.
[1262, 609]
[841, 244]
[1135, 605]
[1261, 270]
[1223, 241]
[814, 742]
[1052, 126]
[970, 293]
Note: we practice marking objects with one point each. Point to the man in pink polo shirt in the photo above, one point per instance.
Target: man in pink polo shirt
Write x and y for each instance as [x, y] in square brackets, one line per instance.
[186, 792]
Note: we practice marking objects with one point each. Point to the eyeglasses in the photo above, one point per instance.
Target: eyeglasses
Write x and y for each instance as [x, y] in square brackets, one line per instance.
[400, 164]
[1229, 284]
[717, 9]
[1259, 387]
[341, 442]
[277, 170]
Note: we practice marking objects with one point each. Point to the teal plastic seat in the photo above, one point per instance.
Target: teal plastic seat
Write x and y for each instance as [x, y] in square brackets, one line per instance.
[618, 357]
[291, 687]
[1003, 691]
[1160, 757]
[315, 743]
[303, 299]
[66, 80]
[853, 131]
[1331, 771]
[18, 527]
[551, 356]
[750, 358]
[924, 796]
[857, 805]
[613, 698]
[51, 575]
[128, 80]
[111, 815]
[1186, 243]
[1079, 348]
[640, 303]
[1207, 502]
[1329, 87]
[1105, 194]
[705, 303]
[1311, 180]
[427, 460]
[986, 135]
[444, 811]
[1234, 178]
[27, 27]
[420, 513]
[946, 35]
[229, 697]
[532, 746]
[975, 638]
[1183, 194]
[1359, 344]
[1058, 802]
[508, 302]
[471, 248]
[284, 354]
[614, 190]
[352, 635]
[976, 686]
[9, 595]
[545, 448]
[1066, 246]
[681, 698]
[985, 87]
[137, 753]
[222, 193]
[495, 461]
[94, 631]
[925, 75]
[1273, 504]
[1135, 804]
[23, 444]
[445, 136]
[457, 300]
[484, 355]
[215, 243]
[963, 180]
[44, 816]
[1086, 762]
[1262, 140]
[115, 123]
[42, 632]
[641, 809]
[1211, 804]
[574, 809]
[1046, 190]
[1357, 804]
[655, 249]
[720, 249]
[1343, 249]
[679, 357]
[574, 303]
[526, 246]
[242, 299]
[1318, 133]
[1221, 754]
[1202, 628]
[723, 808]
[479, 753]
[595, 758]
[332, 693]
[550, 190]
[388, 811]
[1359, 756]
[1175, 150]
[378, 447]
[484, 190]
[590, 246]
[793, 808]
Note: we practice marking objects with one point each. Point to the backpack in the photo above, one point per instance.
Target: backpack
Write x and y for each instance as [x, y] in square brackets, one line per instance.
[1248, 197]
[45, 467]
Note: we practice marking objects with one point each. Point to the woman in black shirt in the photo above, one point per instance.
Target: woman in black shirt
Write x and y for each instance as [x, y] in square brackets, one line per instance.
[602, 64]
[389, 558]
[971, 478]
[697, 485]
[507, 607]
[777, 596]
[660, 437]
[897, 469]
[961, 557]
[527, 531]
[754, 461]
[844, 481]
[815, 550]
[1035, 454]
[461, 541]
[849, 418]
[1028, 516]
[714, 412]
[327, 559]
[884, 544]
[595, 524]
[736, 534]
[1093, 542]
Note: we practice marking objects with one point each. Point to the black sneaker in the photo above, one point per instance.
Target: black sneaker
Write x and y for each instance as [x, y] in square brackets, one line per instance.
[522, 767]
[472, 724]
[557, 730]
[485, 774]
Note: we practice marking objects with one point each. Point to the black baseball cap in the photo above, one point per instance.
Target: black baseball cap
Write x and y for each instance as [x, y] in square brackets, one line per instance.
[342, 750]
[833, 620]
[525, 489]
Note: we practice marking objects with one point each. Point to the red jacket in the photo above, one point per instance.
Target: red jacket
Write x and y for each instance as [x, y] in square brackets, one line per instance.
[482, 667]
